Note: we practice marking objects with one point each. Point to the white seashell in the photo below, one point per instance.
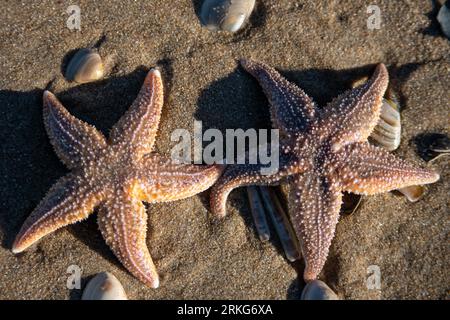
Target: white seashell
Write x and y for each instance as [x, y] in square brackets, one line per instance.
[387, 132]
[413, 193]
[104, 286]
[444, 18]
[318, 290]
[227, 15]
[85, 66]
[258, 213]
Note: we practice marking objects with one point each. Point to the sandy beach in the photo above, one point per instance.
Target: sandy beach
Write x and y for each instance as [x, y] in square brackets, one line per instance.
[323, 46]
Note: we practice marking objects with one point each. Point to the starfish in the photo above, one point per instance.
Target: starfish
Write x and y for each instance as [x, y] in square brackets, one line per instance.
[324, 151]
[115, 175]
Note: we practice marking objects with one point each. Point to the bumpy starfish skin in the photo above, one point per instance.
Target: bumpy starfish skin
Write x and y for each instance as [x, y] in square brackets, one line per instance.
[115, 175]
[324, 152]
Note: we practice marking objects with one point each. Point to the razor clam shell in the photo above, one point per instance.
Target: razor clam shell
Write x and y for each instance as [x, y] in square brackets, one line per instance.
[104, 286]
[258, 213]
[227, 15]
[318, 290]
[85, 66]
[281, 223]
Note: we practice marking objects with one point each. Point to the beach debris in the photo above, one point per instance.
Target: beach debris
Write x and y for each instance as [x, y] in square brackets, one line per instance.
[444, 18]
[433, 146]
[281, 223]
[318, 290]
[85, 66]
[259, 216]
[226, 15]
[413, 193]
[104, 286]
[350, 202]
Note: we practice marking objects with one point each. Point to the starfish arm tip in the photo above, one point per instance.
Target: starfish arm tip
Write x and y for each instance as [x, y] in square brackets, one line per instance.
[17, 248]
[155, 71]
[155, 283]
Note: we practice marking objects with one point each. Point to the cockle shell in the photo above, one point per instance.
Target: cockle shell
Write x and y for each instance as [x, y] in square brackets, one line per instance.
[85, 66]
[318, 290]
[387, 132]
[104, 286]
[227, 15]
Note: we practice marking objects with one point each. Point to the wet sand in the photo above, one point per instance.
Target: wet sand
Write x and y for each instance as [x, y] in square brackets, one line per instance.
[322, 46]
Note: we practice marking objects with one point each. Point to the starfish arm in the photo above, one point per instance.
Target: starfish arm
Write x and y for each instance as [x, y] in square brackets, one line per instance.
[162, 180]
[291, 108]
[240, 175]
[366, 169]
[122, 221]
[137, 128]
[74, 141]
[315, 202]
[67, 202]
[355, 113]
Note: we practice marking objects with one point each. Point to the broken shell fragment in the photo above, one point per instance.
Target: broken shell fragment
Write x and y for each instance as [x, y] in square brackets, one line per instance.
[85, 66]
[258, 213]
[413, 193]
[387, 132]
[104, 286]
[227, 15]
[318, 290]
[281, 223]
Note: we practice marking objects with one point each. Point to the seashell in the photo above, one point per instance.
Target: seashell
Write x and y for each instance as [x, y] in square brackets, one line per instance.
[318, 290]
[104, 286]
[413, 193]
[387, 132]
[351, 202]
[444, 18]
[281, 223]
[258, 213]
[85, 66]
[227, 15]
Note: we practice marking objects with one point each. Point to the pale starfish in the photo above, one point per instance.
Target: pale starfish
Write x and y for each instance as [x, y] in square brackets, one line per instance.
[324, 152]
[116, 175]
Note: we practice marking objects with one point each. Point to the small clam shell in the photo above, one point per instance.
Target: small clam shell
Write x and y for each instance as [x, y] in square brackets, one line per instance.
[85, 66]
[387, 132]
[318, 290]
[413, 193]
[227, 15]
[258, 213]
[444, 18]
[104, 286]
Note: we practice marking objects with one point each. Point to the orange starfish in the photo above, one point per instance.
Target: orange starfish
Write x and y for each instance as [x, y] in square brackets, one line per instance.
[116, 175]
[324, 152]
